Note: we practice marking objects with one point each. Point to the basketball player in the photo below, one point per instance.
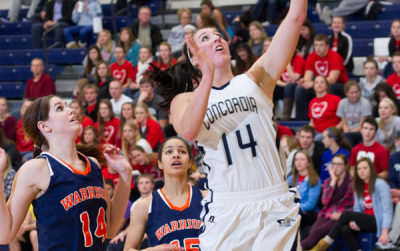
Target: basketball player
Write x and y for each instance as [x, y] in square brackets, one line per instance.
[64, 186]
[249, 206]
[171, 216]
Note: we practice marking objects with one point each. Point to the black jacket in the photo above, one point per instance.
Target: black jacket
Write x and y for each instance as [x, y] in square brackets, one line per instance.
[156, 37]
[345, 49]
[67, 8]
[392, 46]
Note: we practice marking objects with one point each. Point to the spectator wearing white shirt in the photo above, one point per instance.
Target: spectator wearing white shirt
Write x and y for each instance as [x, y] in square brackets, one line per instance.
[118, 99]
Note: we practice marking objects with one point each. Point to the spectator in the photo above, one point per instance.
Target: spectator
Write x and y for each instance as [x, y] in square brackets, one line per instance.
[394, 183]
[241, 28]
[83, 18]
[208, 7]
[308, 184]
[127, 114]
[118, 98]
[145, 58]
[337, 197]
[371, 148]
[149, 129]
[394, 79]
[148, 34]
[107, 124]
[58, 13]
[122, 69]
[289, 146]
[305, 45]
[323, 108]
[90, 61]
[371, 79]
[8, 178]
[145, 163]
[244, 58]
[132, 47]
[78, 111]
[106, 45]
[148, 96]
[383, 90]
[388, 124]
[176, 36]
[257, 38]
[131, 138]
[165, 58]
[352, 111]
[335, 143]
[7, 122]
[16, 5]
[24, 143]
[322, 62]
[372, 211]
[11, 149]
[90, 136]
[341, 42]
[205, 20]
[267, 10]
[393, 46]
[102, 76]
[314, 149]
[40, 84]
[91, 93]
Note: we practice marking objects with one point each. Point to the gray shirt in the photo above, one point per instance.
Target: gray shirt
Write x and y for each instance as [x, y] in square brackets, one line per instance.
[353, 112]
[387, 136]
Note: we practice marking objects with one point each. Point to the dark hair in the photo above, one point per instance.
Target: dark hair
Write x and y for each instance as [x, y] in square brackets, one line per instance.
[350, 84]
[306, 43]
[370, 59]
[171, 56]
[242, 66]
[173, 81]
[120, 46]
[387, 89]
[396, 54]
[370, 120]
[109, 182]
[308, 128]
[90, 64]
[188, 148]
[321, 38]
[207, 20]
[131, 40]
[358, 185]
[94, 130]
[146, 80]
[96, 74]
[337, 135]
[313, 177]
[100, 119]
[345, 160]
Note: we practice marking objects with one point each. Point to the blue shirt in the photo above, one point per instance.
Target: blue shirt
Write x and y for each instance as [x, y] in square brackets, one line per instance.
[394, 170]
[308, 195]
[57, 11]
[326, 162]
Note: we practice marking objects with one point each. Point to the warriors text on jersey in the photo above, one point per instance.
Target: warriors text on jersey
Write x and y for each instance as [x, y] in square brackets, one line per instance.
[172, 225]
[71, 213]
[238, 138]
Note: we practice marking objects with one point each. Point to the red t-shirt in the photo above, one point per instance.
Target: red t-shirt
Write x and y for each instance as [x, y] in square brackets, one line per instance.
[154, 134]
[43, 87]
[323, 111]
[110, 131]
[90, 108]
[283, 130]
[150, 168]
[164, 66]
[86, 121]
[324, 65]
[113, 176]
[122, 72]
[301, 178]
[394, 81]
[298, 64]
[377, 153]
[24, 143]
[335, 44]
[368, 206]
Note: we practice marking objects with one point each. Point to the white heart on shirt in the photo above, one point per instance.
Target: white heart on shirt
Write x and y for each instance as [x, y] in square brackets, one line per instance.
[318, 109]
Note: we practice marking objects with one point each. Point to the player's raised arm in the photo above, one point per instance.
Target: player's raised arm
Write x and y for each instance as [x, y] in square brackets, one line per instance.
[268, 69]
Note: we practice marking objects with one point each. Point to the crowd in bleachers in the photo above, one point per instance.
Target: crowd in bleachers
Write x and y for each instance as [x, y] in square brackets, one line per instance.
[344, 161]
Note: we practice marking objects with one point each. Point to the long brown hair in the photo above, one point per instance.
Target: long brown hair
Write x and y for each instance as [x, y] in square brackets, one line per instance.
[131, 40]
[337, 135]
[90, 64]
[126, 146]
[96, 74]
[171, 57]
[122, 120]
[358, 185]
[100, 119]
[242, 66]
[313, 177]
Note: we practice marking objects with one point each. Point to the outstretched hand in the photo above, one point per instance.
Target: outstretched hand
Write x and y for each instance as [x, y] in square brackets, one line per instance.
[205, 65]
[115, 160]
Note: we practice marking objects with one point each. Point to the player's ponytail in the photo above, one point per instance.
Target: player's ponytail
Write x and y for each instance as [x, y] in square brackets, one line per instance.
[173, 81]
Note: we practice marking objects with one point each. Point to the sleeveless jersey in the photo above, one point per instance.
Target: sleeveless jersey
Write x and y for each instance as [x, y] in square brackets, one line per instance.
[178, 226]
[71, 213]
[238, 138]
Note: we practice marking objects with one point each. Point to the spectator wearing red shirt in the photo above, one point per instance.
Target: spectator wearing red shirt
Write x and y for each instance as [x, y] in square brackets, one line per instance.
[78, 111]
[149, 128]
[122, 69]
[322, 108]
[145, 163]
[394, 79]
[322, 62]
[40, 84]
[370, 148]
[23, 142]
[107, 124]
[7, 122]
[91, 92]
[165, 58]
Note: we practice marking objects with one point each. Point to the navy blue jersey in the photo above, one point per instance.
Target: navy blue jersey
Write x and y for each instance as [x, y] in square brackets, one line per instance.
[171, 225]
[70, 215]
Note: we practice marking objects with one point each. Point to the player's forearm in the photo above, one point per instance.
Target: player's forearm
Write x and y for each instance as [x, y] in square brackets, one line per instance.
[5, 216]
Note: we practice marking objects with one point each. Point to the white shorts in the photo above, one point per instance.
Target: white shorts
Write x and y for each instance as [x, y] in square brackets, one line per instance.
[266, 219]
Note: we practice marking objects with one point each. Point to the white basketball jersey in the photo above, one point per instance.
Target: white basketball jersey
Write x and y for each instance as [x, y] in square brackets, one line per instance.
[238, 138]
